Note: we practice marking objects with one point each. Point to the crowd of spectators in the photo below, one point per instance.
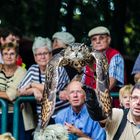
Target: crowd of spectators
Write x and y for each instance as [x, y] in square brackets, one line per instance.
[72, 108]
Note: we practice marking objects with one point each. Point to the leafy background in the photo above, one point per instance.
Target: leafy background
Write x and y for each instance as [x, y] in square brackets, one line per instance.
[44, 17]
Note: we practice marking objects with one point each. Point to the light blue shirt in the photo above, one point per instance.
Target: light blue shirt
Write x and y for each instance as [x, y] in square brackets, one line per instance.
[82, 121]
[116, 69]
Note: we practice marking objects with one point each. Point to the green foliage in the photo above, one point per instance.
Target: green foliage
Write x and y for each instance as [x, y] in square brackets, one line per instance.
[41, 17]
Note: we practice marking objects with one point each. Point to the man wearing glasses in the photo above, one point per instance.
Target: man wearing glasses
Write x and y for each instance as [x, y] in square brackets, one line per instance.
[100, 40]
[130, 130]
[75, 117]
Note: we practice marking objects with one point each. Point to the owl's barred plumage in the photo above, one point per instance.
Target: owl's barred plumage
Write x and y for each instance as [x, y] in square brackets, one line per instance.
[77, 56]
[49, 94]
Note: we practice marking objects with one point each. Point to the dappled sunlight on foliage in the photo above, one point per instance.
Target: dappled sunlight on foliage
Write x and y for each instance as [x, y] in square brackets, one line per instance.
[43, 17]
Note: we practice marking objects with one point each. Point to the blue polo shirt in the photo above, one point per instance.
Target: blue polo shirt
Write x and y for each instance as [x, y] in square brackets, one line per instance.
[82, 121]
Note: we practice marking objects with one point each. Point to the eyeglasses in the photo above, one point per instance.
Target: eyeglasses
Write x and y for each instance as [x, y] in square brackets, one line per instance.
[9, 54]
[42, 54]
[135, 98]
[99, 37]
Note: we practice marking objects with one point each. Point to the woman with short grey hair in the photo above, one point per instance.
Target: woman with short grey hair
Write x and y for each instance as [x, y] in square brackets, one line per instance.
[33, 82]
[44, 42]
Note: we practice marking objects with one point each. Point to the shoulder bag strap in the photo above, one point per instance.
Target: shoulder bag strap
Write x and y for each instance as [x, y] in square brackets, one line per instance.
[122, 125]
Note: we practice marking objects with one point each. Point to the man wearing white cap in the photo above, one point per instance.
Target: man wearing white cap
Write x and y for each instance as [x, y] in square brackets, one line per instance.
[100, 40]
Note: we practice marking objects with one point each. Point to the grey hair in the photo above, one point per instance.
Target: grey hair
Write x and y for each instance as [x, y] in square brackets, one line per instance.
[52, 132]
[41, 42]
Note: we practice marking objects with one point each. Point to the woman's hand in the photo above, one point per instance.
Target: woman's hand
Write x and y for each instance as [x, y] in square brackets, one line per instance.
[38, 94]
[38, 86]
[32, 89]
[23, 91]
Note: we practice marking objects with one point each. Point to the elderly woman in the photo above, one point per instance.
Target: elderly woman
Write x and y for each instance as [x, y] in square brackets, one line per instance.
[10, 73]
[10, 76]
[33, 82]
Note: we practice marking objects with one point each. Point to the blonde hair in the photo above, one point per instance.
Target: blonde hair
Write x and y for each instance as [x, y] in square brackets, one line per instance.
[125, 90]
[6, 136]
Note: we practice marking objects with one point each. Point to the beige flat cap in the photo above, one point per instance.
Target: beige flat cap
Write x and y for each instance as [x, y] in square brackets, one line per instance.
[98, 30]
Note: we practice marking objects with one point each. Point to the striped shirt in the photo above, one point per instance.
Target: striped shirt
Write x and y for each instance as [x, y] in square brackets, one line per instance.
[63, 78]
[33, 75]
[116, 69]
[3, 83]
[62, 83]
[9, 84]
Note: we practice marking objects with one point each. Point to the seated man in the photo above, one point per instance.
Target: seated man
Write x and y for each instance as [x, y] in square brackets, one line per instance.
[76, 118]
